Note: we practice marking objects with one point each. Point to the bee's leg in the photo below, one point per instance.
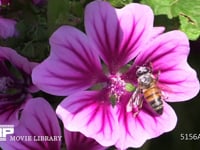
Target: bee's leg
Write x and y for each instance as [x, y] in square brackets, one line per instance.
[148, 63]
[157, 76]
[164, 95]
[137, 105]
[138, 108]
[140, 103]
[135, 114]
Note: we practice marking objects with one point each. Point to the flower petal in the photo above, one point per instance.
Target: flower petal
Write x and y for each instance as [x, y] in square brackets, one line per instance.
[179, 84]
[20, 62]
[77, 141]
[118, 33]
[157, 31]
[37, 120]
[9, 115]
[7, 28]
[72, 66]
[136, 130]
[88, 112]
[168, 54]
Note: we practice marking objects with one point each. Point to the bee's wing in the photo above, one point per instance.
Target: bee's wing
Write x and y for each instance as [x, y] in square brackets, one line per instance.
[129, 106]
[134, 101]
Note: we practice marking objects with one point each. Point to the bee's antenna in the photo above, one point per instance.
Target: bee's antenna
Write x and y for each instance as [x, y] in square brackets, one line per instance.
[137, 66]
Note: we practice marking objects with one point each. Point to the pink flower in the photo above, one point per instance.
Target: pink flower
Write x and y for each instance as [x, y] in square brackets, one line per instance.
[93, 70]
[7, 28]
[15, 84]
[77, 141]
[5, 2]
[38, 128]
[33, 118]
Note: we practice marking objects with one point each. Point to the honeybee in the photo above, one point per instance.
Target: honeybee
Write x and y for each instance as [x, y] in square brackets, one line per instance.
[147, 89]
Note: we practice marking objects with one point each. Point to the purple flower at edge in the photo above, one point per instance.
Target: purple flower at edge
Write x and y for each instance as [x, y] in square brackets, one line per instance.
[116, 38]
[15, 84]
[7, 28]
[39, 2]
[38, 126]
[5, 2]
[31, 117]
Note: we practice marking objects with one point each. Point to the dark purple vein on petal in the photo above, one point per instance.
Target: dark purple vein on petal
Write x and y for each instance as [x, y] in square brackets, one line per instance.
[32, 134]
[82, 107]
[93, 115]
[83, 60]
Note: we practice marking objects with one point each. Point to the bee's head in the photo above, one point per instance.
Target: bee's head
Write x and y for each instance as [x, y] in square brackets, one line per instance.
[142, 70]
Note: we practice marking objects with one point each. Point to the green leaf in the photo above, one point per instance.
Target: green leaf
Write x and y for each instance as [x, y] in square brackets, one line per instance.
[55, 10]
[191, 29]
[62, 12]
[188, 12]
[160, 7]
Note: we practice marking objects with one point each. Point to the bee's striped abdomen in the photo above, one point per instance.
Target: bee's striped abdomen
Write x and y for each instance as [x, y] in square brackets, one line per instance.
[153, 97]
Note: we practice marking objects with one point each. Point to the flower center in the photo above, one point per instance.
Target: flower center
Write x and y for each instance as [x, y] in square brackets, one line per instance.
[5, 84]
[116, 87]
[13, 85]
[11, 92]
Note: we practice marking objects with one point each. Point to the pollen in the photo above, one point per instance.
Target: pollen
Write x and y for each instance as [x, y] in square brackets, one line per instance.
[116, 87]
